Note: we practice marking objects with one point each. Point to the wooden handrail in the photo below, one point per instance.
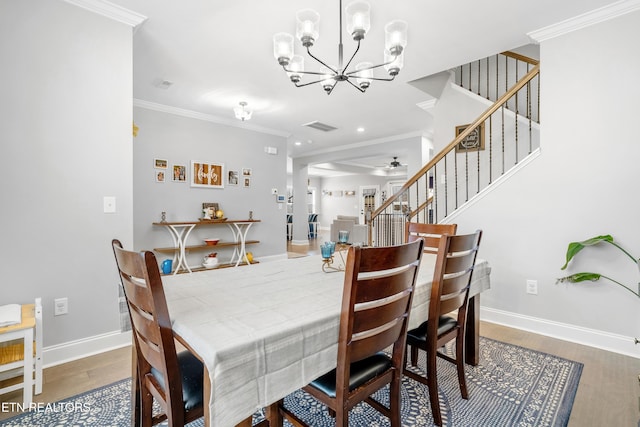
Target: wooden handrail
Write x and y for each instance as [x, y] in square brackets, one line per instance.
[419, 208]
[521, 57]
[484, 116]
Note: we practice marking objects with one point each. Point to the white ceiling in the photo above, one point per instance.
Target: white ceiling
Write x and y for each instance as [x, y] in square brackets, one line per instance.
[218, 53]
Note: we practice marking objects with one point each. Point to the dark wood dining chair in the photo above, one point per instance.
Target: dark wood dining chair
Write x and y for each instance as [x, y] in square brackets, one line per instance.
[449, 292]
[174, 380]
[378, 290]
[431, 234]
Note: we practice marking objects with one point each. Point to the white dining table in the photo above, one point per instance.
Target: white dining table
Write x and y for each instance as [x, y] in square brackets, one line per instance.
[265, 330]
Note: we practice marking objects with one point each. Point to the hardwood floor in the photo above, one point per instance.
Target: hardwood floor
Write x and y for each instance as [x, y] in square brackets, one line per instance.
[608, 394]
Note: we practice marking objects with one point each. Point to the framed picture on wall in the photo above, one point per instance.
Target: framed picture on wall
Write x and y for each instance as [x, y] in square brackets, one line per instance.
[473, 142]
[246, 182]
[246, 172]
[160, 176]
[232, 178]
[179, 173]
[160, 163]
[207, 174]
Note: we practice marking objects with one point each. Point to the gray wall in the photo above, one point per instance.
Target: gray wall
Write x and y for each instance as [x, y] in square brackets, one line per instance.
[180, 140]
[65, 135]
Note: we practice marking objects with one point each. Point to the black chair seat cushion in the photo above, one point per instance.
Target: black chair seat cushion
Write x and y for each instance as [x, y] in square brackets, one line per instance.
[419, 334]
[361, 372]
[192, 373]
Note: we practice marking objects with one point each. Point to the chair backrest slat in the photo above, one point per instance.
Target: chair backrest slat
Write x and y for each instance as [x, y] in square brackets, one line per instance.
[430, 233]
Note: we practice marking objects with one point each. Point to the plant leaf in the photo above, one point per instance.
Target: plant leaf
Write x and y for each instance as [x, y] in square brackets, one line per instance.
[581, 277]
[575, 247]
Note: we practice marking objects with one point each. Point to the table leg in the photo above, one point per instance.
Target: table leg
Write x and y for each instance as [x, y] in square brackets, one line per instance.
[472, 331]
[273, 415]
[27, 377]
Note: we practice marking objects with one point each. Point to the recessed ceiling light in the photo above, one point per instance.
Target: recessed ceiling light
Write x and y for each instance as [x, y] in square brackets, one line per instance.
[298, 143]
[360, 129]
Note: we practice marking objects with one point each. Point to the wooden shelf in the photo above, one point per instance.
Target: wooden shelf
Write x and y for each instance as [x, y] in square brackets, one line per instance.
[209, 247]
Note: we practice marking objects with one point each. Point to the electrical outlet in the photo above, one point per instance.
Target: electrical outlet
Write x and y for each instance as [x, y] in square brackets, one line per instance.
[532, 287]
[60, 306]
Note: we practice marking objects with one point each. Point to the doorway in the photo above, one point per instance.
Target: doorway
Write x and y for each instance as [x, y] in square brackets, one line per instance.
[369, 196]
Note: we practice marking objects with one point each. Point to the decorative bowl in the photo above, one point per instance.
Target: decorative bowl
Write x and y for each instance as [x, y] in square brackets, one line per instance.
[211, 242]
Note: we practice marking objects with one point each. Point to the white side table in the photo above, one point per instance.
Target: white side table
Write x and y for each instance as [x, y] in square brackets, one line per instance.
[31, 324]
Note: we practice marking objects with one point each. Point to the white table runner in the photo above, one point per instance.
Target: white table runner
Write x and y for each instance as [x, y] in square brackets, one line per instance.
[265, 330]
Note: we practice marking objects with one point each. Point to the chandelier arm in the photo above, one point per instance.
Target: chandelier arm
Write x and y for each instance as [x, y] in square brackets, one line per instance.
[351, 73]
[354, 85]
[320, 61]
[310, 83]
[351, 59]
[381, 79]
[316, 73]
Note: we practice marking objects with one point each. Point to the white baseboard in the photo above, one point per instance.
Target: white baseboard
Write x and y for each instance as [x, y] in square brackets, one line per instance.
[74, 350]
[590, 337]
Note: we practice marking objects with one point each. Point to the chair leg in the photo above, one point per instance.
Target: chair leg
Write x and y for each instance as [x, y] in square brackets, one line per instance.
[414, 355]
[432, 382]
[342, 417]
[146, 410]
[460, 364]
[395, 401]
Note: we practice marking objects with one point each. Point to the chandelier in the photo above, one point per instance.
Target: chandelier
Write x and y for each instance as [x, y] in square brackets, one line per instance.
[358, 24]
[241, 112]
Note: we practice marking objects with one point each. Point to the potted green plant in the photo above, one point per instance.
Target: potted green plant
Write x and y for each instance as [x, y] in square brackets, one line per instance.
[575, 247]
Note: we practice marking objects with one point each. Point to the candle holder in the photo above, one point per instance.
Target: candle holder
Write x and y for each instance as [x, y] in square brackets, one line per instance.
[327, 249]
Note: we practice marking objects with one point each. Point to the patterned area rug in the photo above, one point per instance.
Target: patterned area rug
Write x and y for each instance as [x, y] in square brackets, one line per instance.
[512, 386]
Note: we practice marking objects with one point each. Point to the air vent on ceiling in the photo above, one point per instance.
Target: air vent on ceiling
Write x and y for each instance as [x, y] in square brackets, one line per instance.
[320, 126]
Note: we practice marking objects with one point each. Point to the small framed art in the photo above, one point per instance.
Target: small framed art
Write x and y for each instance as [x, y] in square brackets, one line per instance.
[232, 178]
[179, 173]
[473, 142]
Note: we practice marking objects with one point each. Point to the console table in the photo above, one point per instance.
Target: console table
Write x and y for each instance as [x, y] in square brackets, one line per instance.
[180, 233]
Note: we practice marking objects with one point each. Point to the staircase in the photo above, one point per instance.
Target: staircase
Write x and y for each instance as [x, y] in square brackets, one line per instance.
[482, 153]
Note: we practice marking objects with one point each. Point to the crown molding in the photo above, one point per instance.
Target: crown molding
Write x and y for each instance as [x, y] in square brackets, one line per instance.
[587, 19]
[112, 11]
[206, 117]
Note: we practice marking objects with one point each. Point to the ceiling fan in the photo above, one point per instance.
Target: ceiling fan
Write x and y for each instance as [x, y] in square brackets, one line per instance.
[393, 164]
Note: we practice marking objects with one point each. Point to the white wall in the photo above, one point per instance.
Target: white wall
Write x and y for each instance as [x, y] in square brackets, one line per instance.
[65, 135]
[582, 185]
[180, 140]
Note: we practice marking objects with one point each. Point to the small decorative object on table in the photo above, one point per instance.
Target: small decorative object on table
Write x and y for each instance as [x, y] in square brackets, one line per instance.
[343, 236]
[210, 261]
[163, 217]
[327, 249]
